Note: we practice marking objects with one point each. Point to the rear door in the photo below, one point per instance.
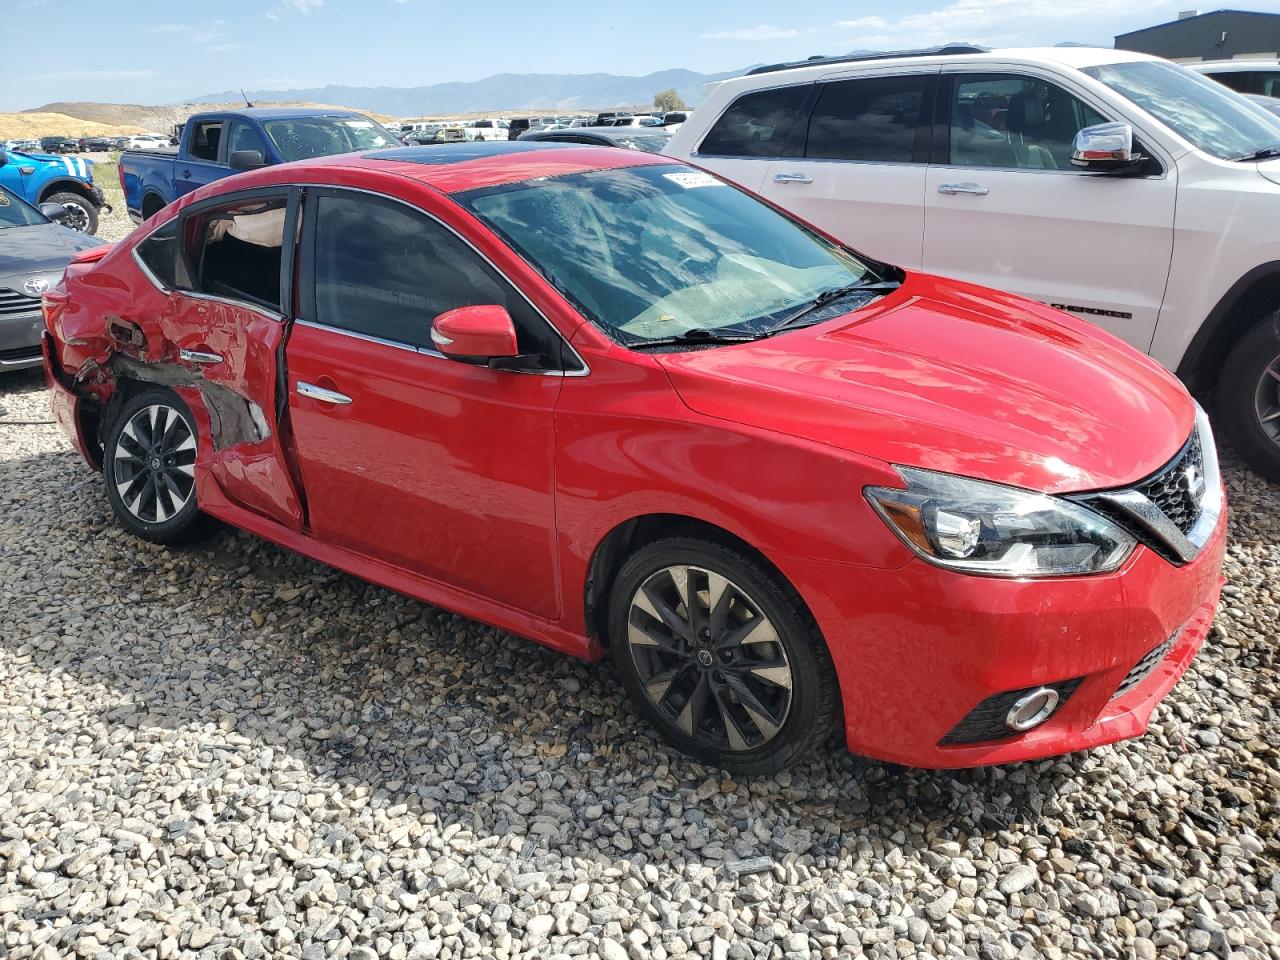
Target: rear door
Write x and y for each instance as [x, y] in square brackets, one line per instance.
[232, 291]
[1005, 207]
[858, 170]
[204, 158]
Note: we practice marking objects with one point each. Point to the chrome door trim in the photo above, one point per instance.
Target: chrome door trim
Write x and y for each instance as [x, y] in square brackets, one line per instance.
[320, 393]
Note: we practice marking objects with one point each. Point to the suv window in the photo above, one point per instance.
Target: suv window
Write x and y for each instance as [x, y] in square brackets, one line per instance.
[756, 124]
[237, 248]
[205, 140]
[386, 270]
[245, 137]
[159, 252]
[874, 118]
[1004, 120]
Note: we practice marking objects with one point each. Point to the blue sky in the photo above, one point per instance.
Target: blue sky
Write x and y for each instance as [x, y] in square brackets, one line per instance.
[173, 50]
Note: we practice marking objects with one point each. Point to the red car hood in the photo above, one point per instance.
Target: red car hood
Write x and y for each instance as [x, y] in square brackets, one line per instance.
[953, 377]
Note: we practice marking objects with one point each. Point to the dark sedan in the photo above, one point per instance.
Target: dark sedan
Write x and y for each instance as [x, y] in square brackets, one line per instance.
[34, 250]
[646, 139]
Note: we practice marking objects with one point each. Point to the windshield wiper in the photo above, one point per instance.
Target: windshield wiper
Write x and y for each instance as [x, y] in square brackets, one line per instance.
[830, 296]
[696, 336]
[1266, 153]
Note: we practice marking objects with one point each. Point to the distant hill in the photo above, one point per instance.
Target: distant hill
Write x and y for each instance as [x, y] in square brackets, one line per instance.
[81, 119]
[509, 92]
[46, 123]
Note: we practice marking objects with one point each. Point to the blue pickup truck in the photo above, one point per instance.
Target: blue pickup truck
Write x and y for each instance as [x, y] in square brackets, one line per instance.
[43, 178]
[218, 144]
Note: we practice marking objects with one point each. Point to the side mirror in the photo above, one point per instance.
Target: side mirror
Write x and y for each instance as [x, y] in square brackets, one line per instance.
[478, 334]
[55, 212]
[246, 160]
[4, 158]
[1105, 148]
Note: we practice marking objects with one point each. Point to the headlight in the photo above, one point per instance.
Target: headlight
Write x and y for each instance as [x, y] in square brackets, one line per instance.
[987, 528]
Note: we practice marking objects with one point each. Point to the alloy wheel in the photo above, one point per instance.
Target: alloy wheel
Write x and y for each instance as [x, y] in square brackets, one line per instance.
[154, 463]
[709, 659]
[1266, 401]
[77, 217]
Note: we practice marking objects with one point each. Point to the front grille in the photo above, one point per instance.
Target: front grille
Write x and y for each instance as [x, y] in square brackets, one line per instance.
[986, 720]
[1143, 668]
[19, 354]
[15, 304]
[1171, 491]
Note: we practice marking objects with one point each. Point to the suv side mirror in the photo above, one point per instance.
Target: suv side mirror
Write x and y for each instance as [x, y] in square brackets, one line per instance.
[55, 212]
[477, 334]
[1106, 148]
[246, 160]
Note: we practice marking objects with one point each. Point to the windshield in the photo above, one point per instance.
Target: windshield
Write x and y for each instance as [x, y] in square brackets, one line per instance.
[16, 212]
[652, 252]
[304, 137]
[1217, 120]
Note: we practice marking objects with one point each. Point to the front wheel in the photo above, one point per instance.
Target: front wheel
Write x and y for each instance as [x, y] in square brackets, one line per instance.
[82, 215]
[721, 656]
[149, 468]
[1248, 397]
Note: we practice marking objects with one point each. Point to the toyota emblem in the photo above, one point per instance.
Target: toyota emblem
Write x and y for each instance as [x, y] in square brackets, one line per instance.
[36, 286]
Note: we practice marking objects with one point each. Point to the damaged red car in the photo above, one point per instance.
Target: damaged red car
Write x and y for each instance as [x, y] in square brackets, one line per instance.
[621, 407]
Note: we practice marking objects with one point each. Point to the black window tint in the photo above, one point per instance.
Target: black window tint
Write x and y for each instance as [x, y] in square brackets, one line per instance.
[160, 253]
[870, 119]
[205, 140]
[387, 271]
[1241, 82]
[239, 250]
[757, 124]
[245, 137]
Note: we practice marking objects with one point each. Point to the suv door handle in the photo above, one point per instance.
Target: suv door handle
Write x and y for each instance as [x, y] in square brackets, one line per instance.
[320, 393]
[792, 178]
[976, 189]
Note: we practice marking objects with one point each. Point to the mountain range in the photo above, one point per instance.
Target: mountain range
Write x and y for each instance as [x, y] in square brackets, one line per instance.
[503, 91]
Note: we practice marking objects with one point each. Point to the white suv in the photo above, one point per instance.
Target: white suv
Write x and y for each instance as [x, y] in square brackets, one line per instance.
[1260, 77]
[1114, 185]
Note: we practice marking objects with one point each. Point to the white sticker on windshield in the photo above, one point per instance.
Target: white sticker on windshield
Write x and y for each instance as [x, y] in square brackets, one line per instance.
[358, 124]
[693, 178]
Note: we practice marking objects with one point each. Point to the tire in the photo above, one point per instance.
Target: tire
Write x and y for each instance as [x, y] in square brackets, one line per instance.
[84, 215]
[1248, 397]
[751, 695]
[151, 205]
[151, 485]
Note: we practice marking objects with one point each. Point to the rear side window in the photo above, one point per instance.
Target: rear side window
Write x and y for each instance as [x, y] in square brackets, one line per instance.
[205, 140]
[159, 252]
[387, 271]
[236, 250]
[757, 124]
[875, 118]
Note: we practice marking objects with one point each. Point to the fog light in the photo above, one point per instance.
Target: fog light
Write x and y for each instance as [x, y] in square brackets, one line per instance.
[1031, 709]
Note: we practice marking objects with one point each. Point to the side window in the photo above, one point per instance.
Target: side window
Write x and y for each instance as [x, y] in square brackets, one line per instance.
[1004, 120]
[387, 271]
[205, 140]
[159, 251]
[756, 124]
[234, 250]
[875, 118]
[245, 137]
[1236, 80]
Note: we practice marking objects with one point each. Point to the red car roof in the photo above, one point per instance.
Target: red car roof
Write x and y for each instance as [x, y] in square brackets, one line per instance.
[452, 168]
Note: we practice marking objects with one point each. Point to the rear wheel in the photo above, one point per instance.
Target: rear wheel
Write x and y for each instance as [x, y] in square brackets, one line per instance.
[721, 656]
[149, 468]
[82, 215]
[1248, 397]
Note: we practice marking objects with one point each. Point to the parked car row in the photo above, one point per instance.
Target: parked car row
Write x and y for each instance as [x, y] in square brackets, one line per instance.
[67, 181]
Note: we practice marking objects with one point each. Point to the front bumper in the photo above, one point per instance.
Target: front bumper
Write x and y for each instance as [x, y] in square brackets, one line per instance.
[917, 649]
[20, 340]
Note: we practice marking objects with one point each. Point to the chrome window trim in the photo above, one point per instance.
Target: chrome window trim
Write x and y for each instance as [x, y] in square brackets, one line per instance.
[584, 370]
[233, 302]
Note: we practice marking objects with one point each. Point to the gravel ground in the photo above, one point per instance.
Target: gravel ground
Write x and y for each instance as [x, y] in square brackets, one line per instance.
[232, 752]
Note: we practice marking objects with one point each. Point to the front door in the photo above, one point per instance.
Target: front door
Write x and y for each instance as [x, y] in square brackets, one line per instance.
[432, 465]
[1008, 210]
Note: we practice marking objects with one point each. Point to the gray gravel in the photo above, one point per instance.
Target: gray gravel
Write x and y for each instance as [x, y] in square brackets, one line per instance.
[232, 752]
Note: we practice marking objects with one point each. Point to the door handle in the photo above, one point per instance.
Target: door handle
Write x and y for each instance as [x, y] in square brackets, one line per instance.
[199, 356]
[320, 393]
[186, 173]
[975, 189]
[792, 178]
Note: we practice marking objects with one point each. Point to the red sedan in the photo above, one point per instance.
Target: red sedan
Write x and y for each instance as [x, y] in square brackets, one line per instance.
[617, 405]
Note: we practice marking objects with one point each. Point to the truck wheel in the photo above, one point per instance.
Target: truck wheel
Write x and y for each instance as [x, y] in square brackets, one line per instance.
[83, 215]
[1248, 397]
